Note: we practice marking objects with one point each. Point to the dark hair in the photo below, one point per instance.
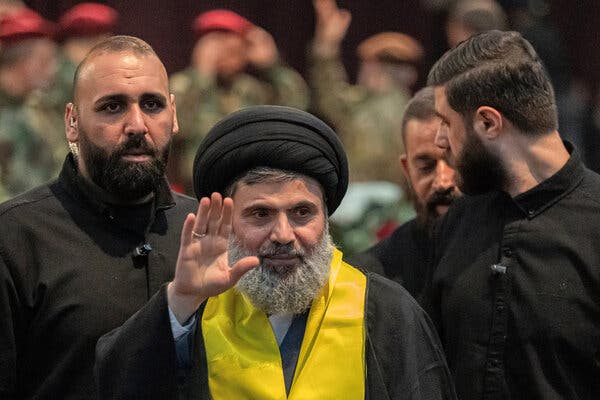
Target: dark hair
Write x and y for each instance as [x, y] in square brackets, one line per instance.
[114, 44]
[500, 70]
[421, 107]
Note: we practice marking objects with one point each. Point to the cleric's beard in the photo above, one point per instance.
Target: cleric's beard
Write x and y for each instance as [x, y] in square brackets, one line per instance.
[287, 292]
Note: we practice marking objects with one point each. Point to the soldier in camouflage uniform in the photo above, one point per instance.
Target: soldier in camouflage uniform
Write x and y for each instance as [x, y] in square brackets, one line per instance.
[29, 131]
[80, 28]
[367, 116]
[218, 83]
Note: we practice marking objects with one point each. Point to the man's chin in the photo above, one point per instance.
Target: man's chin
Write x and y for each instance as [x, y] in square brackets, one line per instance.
[281, 268]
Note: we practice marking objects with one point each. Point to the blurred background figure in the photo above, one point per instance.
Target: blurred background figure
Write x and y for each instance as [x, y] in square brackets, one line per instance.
[469, 17]
[530, 18]
[80, 28]
[234, 64]
[405, 255]
[367, 115]
[28, 130]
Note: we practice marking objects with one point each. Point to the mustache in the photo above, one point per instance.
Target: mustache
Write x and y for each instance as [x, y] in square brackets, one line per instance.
[273, 249]
[138, 143]
[445, 197]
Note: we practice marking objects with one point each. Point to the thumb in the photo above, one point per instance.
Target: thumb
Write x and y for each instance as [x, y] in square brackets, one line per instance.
[241, 267]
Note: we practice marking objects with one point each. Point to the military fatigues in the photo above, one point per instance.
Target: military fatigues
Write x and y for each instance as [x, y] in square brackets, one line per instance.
[30, 134]
[201, 102]
[61, 91]
[368, 123]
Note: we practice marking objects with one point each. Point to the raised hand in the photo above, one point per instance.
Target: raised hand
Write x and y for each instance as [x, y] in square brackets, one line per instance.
[207, 53]
[202, 269]
[331, 25]
[262, 50]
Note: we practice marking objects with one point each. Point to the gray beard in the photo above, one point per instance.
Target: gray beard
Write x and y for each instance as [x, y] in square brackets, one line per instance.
[284, 292]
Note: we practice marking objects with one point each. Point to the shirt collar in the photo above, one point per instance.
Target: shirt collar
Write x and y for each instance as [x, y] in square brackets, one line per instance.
[74, 184]
[539, 198]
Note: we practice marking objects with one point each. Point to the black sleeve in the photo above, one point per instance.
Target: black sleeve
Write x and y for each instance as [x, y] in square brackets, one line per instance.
[138, 359]
[404, 355]
[11, 313]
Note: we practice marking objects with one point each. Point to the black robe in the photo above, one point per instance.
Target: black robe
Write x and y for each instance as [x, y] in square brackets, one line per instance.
[404, 358]
[404, 257]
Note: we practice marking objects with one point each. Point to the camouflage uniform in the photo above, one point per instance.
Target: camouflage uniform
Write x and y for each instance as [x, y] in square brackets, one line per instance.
[61, 91]
[201, 102]
[30, 134]
[368, 123]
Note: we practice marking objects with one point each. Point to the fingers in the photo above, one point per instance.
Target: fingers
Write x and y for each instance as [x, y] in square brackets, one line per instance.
[201, 223]
[226, 217]
[214, 216]
[186, 231]
[241, 267]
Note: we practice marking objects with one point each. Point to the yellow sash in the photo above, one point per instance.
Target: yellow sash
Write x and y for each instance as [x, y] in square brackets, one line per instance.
[244, 360]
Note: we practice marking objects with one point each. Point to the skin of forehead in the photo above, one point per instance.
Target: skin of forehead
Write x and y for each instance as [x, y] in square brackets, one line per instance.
[127, 57]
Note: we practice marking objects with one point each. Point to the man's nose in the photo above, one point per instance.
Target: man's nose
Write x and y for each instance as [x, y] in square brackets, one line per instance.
[283, 231]
[441, 138]
[135, 121]
[444, 177]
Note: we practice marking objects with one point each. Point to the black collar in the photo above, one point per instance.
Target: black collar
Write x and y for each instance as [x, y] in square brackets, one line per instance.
[548, 192]
[75, 185]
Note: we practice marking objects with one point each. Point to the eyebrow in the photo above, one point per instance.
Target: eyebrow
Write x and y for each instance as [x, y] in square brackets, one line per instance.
[124, 99]
[261, 204]
[437, 113]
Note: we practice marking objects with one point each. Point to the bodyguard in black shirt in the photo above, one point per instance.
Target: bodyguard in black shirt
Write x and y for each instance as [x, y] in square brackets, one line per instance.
[516, 290]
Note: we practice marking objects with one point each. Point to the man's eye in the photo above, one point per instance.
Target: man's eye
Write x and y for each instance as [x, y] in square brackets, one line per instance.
[303, 212]
[428, 167]
[153, 105]
[260, 213]
[112, 108]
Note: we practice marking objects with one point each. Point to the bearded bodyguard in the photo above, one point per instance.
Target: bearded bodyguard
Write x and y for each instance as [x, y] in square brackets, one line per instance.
[80, 254]
[262, 305]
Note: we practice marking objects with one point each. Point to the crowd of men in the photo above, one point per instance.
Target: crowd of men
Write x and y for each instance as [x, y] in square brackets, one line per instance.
[113, 285]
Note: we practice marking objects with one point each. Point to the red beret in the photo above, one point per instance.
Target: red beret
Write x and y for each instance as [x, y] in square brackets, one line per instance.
[88, 19]
[221, 20]
[24, 24]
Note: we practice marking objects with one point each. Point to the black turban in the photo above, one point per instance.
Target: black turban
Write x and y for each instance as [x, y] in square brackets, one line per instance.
[275, 137]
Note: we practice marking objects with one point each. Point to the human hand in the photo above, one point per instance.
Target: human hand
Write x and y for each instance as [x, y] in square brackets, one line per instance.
[331, 25]
[202, 268]
[262, 50]
[207, 53]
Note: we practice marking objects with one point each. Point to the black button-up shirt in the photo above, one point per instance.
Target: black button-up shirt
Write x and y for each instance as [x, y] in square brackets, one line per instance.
[516, 290]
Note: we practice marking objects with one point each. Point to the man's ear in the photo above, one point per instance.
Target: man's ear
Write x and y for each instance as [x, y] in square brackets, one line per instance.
[404, 166]
[175, 123]
[71, 128]
[488, 122]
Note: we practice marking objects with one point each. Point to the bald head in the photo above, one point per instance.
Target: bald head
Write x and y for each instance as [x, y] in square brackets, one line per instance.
[114, 44]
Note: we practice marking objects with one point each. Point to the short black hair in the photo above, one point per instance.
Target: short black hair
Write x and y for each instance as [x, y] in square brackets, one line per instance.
[501, 70]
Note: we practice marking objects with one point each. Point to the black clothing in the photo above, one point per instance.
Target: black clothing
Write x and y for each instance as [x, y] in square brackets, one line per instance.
[403, 357]
[271, 136]
[404, 257]
[516, 291]
[69, 273]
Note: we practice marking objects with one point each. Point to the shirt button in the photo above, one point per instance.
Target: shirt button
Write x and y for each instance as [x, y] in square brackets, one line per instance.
[530, 213]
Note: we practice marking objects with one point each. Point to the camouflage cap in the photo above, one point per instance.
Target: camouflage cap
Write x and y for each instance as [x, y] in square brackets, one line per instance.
[393, 47]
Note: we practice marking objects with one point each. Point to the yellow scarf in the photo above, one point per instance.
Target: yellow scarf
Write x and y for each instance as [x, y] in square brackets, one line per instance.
[243, 356]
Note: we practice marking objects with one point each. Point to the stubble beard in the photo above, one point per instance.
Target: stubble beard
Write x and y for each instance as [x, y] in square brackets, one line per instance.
[284, 292]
